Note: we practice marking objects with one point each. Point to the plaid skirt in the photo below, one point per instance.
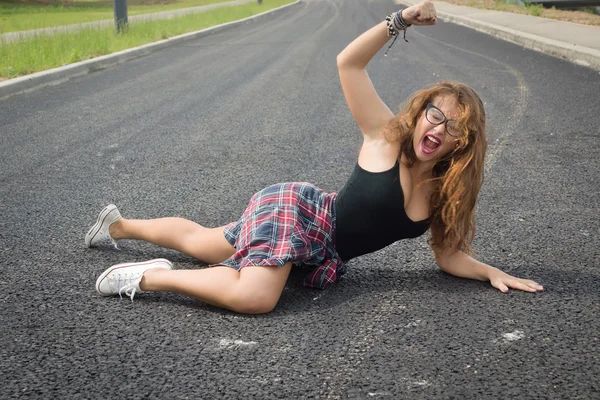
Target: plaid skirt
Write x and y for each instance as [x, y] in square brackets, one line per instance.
[288, 222]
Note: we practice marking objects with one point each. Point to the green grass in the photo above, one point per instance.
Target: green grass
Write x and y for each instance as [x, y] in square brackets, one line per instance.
[534, 9]
[16, 17]
[508, 5]
[49, 51]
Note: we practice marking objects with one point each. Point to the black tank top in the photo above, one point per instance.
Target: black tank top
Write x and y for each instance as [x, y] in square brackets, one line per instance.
[370, 213]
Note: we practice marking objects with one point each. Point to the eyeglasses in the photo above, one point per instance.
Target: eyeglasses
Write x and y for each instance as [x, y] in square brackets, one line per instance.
[435, 116]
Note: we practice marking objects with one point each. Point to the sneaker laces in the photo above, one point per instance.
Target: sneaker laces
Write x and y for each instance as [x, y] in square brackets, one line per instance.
[128, 284]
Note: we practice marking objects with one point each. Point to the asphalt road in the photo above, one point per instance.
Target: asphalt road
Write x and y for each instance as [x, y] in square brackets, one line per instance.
[195, 130]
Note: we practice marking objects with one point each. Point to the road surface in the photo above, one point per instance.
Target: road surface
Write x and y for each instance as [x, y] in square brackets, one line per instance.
[196, 129]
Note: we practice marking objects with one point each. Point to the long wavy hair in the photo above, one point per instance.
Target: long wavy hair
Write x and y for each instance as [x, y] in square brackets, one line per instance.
[458, 176]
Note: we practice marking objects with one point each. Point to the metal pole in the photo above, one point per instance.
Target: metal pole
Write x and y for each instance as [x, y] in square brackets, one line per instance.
[121, 24]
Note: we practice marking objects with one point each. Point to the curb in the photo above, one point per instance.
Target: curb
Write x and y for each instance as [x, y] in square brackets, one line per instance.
[56, 76]
[577, 54]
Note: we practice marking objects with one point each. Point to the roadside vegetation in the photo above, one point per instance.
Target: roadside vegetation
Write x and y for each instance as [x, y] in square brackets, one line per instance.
[42, 52]
[20, 15]
[586, 16]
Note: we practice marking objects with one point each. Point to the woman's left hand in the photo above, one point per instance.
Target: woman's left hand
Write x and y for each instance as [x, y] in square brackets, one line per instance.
[502, 281]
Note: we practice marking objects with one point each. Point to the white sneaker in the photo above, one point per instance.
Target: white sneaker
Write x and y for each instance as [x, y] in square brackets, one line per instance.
[125, 278]
[100, 231]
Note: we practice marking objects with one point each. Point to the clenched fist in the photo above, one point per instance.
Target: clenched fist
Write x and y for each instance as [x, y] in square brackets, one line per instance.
[422, 13]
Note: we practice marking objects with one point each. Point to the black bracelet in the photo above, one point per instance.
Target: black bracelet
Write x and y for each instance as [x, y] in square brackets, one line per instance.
[396, 23]
[400, 22]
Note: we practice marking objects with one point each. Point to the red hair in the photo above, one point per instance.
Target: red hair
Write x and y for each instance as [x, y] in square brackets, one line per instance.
[458, 176]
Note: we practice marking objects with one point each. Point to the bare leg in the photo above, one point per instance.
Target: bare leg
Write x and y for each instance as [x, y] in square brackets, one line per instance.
[206, 244]
[253, 290]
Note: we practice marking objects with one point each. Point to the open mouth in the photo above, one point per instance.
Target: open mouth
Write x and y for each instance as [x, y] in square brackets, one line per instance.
[429, 144]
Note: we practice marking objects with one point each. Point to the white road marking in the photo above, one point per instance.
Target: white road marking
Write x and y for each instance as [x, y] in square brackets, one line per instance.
[228, 343]
[516, 335]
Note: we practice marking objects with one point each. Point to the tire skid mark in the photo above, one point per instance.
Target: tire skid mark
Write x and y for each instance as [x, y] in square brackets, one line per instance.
[512, 122]
[294, 54]
[370, 334]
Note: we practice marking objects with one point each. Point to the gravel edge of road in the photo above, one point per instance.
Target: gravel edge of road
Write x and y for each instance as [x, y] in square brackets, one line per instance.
[57, 76]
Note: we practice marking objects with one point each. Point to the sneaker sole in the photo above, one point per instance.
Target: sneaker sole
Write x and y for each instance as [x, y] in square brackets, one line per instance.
[96, 227]
[117, 266]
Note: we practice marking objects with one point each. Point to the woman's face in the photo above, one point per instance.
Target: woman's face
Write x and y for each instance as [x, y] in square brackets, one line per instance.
[432, 139]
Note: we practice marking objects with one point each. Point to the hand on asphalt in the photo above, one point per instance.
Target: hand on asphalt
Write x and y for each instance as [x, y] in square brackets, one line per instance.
[502, 281]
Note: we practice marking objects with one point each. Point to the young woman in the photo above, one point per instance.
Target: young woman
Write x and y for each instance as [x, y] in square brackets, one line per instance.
[419, 170]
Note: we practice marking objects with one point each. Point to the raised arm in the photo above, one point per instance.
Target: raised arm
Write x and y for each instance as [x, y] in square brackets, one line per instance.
[369, 111]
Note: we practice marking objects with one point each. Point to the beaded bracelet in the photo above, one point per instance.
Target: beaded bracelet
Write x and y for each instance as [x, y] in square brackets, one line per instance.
[396, 23]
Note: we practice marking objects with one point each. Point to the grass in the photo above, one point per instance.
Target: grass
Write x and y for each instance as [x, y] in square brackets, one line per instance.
[44, 52]
[509, 5]
[590, 10]
[16, 17]
[534, 9]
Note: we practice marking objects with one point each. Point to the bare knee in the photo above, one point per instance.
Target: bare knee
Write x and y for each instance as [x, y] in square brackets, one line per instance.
[258, 289]
[254, 301]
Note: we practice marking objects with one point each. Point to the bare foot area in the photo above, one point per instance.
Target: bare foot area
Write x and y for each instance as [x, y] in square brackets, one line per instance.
[579, 17]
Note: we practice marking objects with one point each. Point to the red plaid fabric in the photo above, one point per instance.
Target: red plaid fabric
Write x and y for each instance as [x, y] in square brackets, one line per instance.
[288, 222]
